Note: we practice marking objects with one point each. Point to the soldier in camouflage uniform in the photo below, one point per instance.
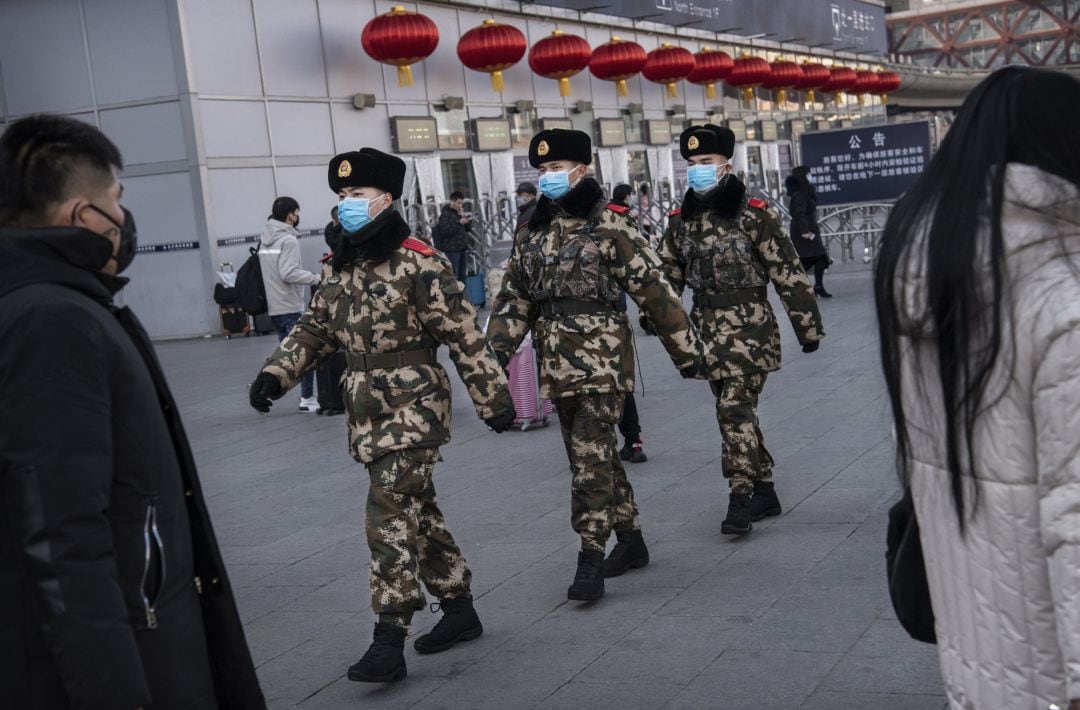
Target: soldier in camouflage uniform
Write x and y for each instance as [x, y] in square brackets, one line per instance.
[727, 249]
[562, 282]
[390, 301]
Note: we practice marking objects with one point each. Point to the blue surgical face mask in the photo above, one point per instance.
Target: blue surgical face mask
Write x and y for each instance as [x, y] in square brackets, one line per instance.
[354, 213]
[555, 185]
[702, 178]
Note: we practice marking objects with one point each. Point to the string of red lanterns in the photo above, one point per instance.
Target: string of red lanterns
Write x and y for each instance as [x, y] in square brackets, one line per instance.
[402, 38]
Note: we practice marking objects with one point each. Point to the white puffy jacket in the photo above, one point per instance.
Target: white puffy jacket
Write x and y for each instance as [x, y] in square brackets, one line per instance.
[1007, 595]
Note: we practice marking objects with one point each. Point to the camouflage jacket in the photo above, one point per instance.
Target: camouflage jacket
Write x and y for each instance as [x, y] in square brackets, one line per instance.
[583, 249]
[727, 244]
[410, 301]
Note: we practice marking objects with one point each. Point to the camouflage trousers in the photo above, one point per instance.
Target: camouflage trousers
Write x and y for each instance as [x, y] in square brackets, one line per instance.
[745, 458]
[408, 538]
[601, 499]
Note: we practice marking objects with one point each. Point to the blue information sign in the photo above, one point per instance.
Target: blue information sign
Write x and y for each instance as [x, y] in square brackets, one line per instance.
[866, 164]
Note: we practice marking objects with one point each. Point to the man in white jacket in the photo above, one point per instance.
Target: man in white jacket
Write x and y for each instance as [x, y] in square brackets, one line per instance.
[287, 282]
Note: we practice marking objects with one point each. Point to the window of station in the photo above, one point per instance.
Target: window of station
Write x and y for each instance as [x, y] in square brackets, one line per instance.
[523, 126]
[583, 122]
[637, 164]
[633, 128]
[458, 176]
[452, 129]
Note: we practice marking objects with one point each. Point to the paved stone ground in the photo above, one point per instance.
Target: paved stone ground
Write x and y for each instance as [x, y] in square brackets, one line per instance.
[794, 615]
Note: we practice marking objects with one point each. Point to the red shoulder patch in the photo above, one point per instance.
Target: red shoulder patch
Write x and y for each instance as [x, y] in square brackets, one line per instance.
[617, 208]
[757, 204]
[326, 258]
[675, 212]
[418, 246]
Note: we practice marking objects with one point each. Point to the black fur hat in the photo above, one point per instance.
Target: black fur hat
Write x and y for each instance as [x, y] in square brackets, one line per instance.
[367, 167]
[698, 140]
[560, 144]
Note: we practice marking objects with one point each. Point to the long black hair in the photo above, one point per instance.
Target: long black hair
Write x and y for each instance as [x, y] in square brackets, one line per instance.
[939, 228]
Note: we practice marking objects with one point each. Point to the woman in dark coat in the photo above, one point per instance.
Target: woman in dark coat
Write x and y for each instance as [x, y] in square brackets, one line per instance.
[805, 233]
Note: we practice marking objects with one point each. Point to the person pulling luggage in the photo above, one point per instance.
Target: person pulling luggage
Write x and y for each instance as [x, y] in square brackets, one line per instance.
[390, 301]
[562, 283]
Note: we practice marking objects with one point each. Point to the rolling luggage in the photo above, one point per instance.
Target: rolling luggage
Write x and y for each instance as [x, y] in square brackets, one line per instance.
[525, 389]
[233, 319]
[329, 387]
[474, 289]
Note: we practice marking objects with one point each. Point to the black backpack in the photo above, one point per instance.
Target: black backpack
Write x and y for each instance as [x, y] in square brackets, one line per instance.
[250, 289]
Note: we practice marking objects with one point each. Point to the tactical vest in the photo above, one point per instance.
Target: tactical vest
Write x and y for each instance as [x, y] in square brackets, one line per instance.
[576, 270]
[726, 263]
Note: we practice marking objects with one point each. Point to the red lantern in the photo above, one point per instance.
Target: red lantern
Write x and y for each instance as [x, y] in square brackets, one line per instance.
[814, 76]
[617, 60]
[865, 83]
[840, 78]
[710, 66]
[783, 75]
[560, 56]
[667, 65]
[748, 72]
[887, 82]
[400, 38]
[490, 48]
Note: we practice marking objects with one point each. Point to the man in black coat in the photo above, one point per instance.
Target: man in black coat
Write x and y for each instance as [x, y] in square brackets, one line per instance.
[805, 233]
[112, 589]
[452, 234]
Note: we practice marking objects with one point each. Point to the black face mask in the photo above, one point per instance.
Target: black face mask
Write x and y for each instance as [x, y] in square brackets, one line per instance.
[129, 238]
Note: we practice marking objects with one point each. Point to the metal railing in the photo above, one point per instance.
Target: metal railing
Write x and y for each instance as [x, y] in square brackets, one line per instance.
[495, 221]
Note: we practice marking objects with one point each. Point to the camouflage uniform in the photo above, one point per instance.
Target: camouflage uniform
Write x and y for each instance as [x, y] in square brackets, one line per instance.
[399, 415]
[728, 263]
[563, 283]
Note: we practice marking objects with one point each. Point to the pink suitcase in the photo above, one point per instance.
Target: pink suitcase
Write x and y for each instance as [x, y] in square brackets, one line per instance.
[525, 390]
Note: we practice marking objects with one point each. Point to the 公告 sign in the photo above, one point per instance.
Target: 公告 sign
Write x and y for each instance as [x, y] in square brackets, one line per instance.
[866, 164]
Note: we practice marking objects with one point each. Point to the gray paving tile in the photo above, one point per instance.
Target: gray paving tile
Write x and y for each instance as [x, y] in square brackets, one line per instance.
[739, 680]
[830, 700]
[578, 694]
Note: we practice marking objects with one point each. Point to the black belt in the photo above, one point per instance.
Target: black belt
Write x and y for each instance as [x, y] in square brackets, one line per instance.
[731, 298]
[570, 307]
[362, 362]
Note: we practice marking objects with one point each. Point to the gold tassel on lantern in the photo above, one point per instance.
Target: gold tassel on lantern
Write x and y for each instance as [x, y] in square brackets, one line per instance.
[748, 94]
[404, 75]
[838, 97]
[781, 96]
[810, 96]
[564, 86]
[672, 91]
[862, 99]
[710, 91]
[884, 99]
[497, 81]
[620, 88]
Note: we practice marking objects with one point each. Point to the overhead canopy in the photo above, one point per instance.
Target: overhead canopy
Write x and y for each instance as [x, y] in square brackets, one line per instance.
[924, 90]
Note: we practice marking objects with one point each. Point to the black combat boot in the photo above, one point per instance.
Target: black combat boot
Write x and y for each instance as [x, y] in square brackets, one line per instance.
[588, 583]
[629, 553]
[458, 623]
[737, 521]
[385, 658]
[764, 504]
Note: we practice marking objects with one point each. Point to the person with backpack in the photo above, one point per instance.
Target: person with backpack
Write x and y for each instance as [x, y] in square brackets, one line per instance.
[286, 280]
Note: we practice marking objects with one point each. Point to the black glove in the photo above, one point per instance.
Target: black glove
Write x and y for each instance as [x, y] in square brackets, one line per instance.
[812, 346]
[501, 422]
[266, 387]
[693, 370]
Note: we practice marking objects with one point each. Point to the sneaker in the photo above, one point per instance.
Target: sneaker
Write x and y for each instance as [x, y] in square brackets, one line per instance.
[309, 404]
[637, 453]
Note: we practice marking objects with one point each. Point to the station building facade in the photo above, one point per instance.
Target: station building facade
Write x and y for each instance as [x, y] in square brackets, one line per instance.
[219, 106]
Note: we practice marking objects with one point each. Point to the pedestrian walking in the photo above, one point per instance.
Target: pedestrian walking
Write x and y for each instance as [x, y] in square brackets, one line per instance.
[286, 280]
[453, 234]
[563, 283]
[805, 232]
[727, 249]
[113, 593]
[978, 297]
[390, 301]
